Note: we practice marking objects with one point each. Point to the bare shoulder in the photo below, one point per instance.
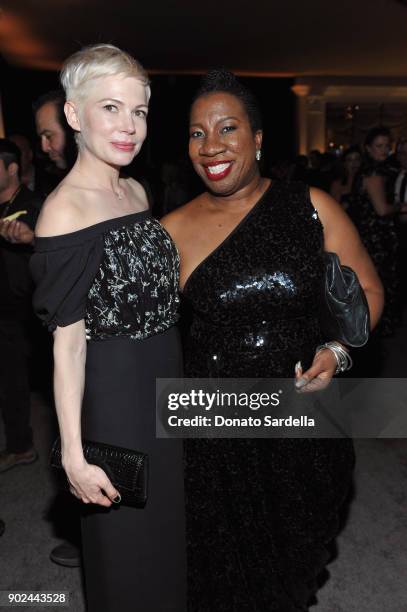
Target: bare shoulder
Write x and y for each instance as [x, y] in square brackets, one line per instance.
[335, 221]
[61, 213]
[178, 220]
[329, 210]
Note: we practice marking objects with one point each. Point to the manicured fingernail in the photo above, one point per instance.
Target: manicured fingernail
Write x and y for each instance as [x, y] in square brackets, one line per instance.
[298, 366]
[117, 499]
[301, 383]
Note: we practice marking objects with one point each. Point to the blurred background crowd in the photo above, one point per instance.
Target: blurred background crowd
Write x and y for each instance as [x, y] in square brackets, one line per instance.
[368, 179]
[352, 143]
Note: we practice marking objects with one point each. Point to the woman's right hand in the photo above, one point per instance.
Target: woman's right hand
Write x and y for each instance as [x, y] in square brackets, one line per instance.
[90, 484]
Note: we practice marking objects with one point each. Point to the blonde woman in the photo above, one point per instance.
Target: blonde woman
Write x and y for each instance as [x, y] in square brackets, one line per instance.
[107, 277]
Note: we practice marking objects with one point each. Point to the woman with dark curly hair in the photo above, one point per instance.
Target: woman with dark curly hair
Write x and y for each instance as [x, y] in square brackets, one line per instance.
[260, 512]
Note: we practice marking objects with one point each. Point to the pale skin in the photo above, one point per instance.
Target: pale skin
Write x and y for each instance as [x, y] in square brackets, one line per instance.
[111, 120]
[220, 132]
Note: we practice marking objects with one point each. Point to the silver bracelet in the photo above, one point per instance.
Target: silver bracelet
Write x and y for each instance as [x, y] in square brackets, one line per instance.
[343, 359]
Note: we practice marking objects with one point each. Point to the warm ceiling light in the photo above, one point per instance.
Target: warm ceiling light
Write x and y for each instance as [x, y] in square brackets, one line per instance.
[18, 44]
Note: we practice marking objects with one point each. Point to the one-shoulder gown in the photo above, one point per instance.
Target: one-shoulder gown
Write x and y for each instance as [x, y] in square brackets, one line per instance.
[260, 513]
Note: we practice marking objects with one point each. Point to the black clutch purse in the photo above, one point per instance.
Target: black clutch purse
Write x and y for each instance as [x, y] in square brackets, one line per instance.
[127, 469]
[344, 313]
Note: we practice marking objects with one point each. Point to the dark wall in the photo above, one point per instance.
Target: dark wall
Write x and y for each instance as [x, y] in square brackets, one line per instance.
[168, 119]
[19, 88]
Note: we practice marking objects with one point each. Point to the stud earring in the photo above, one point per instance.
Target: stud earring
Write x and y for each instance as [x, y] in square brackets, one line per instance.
[258, 154]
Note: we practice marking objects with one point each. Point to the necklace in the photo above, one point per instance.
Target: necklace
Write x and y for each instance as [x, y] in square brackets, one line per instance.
[119, 193]
[7, 205]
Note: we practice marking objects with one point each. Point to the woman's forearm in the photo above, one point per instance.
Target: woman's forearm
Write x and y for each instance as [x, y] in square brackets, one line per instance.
[69, 380]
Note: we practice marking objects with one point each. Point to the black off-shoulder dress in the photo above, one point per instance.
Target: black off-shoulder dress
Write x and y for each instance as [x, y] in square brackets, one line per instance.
[121, 276]
[260, 513]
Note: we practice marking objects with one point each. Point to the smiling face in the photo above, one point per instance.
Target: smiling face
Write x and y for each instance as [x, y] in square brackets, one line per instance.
[222, 146]
[380, 148]
[112, 119]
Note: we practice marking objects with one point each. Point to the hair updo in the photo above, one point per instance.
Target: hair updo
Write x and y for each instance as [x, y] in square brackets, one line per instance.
[223, 81]
[98, 61]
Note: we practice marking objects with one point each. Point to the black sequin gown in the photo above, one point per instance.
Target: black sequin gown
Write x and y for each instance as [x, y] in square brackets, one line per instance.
[379, 235]
[260, 513]
[121, 277]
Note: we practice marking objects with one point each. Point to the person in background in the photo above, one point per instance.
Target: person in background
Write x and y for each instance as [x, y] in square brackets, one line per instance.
[28, 171]
[341, 187]
[400, 198]
[372, 209]
[400, 184]
[16, 237]
[56, 138]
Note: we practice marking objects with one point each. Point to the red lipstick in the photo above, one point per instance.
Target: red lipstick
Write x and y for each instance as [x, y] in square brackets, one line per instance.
[216, 171]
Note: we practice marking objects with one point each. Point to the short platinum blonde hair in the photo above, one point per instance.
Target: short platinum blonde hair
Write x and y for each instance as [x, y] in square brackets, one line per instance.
[98, 61]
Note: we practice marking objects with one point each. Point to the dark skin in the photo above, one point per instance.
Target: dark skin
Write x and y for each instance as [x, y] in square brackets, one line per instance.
[225, 136]
[220, 133]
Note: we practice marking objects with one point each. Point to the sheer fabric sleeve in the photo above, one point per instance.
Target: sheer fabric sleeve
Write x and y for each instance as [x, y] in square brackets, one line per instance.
[63, 274]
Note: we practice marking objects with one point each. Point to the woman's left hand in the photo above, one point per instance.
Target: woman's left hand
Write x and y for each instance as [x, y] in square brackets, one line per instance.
[319, 375]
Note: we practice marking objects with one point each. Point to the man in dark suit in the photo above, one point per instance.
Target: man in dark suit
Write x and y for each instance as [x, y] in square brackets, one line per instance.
[19, 209]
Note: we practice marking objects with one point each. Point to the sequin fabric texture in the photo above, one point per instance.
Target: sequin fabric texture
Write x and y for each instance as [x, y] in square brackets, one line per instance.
[260, 513]
[135, 291]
